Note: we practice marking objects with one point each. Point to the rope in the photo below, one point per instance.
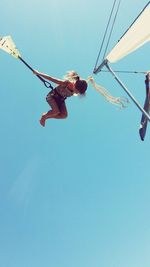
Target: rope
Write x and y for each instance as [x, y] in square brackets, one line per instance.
[101, 47]
[121, 102]
[127, 71]
[112, 29]
[104, 37]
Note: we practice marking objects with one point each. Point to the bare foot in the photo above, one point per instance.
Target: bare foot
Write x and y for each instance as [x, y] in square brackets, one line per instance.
[42, 120]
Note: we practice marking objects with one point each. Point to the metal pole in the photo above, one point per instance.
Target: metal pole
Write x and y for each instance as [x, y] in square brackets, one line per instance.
[128, 92]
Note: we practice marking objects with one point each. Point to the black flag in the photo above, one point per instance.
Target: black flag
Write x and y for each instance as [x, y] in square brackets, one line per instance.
[144, 120]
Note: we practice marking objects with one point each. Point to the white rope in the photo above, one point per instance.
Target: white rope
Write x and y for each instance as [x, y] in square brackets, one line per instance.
[119, 101]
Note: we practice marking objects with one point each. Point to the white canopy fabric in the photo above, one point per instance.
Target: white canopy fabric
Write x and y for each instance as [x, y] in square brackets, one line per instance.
[137, 35]
[7, 44]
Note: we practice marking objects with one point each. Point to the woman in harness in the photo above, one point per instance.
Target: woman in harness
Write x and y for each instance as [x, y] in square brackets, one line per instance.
[71, 85]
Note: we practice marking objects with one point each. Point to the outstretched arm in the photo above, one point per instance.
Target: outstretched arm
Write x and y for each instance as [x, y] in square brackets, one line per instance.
[52, 79]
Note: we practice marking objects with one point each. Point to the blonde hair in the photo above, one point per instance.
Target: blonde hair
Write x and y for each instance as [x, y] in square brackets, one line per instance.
[71, 76]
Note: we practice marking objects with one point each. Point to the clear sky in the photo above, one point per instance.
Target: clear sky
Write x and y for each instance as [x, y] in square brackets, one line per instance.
[75, 193]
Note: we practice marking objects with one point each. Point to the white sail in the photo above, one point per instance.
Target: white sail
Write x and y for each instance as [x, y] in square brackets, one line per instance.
[7, 44]
[137, 35]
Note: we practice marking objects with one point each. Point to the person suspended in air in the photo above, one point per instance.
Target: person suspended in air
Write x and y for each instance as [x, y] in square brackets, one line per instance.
[71, 85]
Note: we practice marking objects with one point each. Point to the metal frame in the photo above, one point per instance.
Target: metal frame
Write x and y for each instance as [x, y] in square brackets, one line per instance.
[105, 63]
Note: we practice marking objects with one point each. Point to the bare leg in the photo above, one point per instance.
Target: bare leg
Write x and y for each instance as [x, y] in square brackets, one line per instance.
[63, 111]
[58, 110]
[51, 113]
[48, 115]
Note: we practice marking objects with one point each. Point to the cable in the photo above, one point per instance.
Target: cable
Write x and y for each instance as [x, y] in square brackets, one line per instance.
[105, 34]
[106, 31]
[112, 29]
[127, 71]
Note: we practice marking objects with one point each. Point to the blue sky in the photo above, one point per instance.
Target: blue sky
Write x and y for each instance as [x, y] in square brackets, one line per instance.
[75, 193]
